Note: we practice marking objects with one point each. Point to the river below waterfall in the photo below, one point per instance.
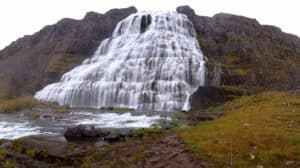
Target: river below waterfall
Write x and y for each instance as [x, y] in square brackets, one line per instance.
[14, 126]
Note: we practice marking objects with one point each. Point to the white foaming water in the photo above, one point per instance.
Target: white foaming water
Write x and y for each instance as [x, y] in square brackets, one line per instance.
[152, 62]
[14, 130]
[17, 127]
[114, 120]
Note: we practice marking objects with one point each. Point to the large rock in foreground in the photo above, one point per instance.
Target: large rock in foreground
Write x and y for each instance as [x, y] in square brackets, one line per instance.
[81, 131]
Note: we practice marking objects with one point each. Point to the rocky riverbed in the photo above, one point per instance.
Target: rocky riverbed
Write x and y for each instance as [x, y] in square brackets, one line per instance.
[53, 136]
[45, 122]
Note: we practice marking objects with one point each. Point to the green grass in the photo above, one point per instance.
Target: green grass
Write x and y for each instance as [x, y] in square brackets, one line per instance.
[3, 154]
[17, 104]
[266, 126]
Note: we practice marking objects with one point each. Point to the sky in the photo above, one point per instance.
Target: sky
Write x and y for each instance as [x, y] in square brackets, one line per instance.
[25, 17]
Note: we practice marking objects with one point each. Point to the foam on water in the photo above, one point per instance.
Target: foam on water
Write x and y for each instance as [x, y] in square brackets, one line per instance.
[14, 130]
[152, 62]
[115, 120]
[16, 127]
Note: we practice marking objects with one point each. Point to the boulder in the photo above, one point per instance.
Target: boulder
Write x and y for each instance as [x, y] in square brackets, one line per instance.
[115, 137]
[81, 131]
[206, 96]
[109, 108]
[205, 117]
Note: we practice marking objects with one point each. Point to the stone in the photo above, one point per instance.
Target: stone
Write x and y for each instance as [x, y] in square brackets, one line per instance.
[205, 117]
[289, 162]
[80, 131]
[109, 108]
[206, 96]
[114, 137]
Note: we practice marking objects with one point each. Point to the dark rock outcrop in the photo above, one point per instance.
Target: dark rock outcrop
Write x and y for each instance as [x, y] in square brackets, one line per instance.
[34, 61]
[81, 131]
[211, 95]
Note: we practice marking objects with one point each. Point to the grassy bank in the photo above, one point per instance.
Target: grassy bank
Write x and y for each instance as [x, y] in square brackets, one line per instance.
[256, 130]
[17, 104]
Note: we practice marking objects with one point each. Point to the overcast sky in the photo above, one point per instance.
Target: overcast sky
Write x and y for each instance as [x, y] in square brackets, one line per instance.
[25, 17]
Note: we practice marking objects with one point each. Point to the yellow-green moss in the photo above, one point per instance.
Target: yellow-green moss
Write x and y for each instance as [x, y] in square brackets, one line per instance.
[17, 104]
[63, 62]
[3, 154]
[9, 164]
[17, 146]
[265, 127]
[31, 152]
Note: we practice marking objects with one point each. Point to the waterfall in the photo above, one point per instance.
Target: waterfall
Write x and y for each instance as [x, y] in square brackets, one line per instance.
[152, 61]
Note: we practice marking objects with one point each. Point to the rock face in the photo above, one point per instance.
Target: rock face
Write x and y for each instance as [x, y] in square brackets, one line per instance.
[33, 61]
[152, 62]
[206, 96]
[252, 55]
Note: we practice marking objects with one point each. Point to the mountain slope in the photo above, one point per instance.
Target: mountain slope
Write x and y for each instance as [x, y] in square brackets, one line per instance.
[253, 56]
[34, 61]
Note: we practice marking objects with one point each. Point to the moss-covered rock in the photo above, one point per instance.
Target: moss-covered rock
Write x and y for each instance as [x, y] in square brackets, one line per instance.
[17, 104]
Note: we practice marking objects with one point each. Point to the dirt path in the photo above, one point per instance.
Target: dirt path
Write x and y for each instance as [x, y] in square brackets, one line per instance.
[169, 152]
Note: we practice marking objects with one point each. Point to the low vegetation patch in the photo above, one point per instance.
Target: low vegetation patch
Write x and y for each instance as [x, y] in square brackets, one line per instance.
[17, 104]
[256, 130]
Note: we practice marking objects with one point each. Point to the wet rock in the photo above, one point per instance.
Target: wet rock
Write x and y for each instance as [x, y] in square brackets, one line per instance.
[205, 117]
[80, 131]
[89, 132]
[115, 137]
[5, 143]
[211, 95]
[109, 108]
[50, 148]
[106, 108]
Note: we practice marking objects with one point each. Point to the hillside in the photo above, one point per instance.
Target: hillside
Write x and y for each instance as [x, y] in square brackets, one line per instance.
[34, 61]
[254, 56]
[125, 107]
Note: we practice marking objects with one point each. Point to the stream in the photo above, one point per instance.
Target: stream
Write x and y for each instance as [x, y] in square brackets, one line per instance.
[17, 125]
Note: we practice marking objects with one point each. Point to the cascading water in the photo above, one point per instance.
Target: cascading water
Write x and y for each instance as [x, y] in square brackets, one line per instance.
[152, 62]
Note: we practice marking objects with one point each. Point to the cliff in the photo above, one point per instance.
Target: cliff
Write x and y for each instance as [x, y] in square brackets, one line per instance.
[34, 61]
[252, 56]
